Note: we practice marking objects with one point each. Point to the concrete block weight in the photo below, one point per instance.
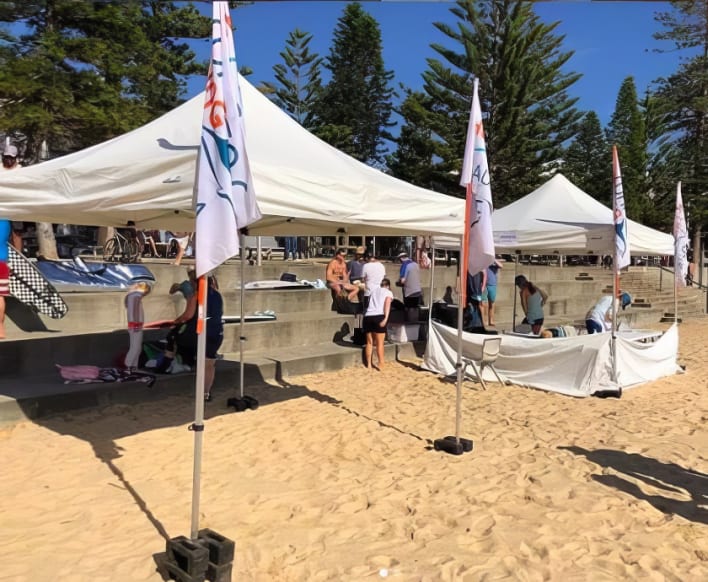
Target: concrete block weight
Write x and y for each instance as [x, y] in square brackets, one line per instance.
[187, 557]
[221, 549]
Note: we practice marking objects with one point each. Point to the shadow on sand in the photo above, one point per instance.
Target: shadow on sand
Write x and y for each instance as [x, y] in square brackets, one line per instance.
[668, 477]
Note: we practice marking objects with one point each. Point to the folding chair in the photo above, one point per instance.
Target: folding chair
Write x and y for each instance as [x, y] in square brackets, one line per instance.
[490, 351]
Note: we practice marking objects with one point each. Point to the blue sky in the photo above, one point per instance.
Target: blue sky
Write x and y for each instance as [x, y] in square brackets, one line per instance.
[611, 40]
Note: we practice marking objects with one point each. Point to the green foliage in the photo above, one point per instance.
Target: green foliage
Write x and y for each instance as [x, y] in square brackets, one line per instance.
[523, 93]
[83, 72]
[627, 130]
[299, 82]
[588, 160]
[680, 113]
[355, 107]
[413, 159]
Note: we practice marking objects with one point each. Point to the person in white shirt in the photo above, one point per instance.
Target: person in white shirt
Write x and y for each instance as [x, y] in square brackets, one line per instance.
[372, 275]
[375, 321]
[599, 318]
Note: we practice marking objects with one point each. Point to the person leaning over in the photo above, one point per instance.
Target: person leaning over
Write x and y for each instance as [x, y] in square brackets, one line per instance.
[532, 301]
[337, 277]
[375, 321]
[599, 318]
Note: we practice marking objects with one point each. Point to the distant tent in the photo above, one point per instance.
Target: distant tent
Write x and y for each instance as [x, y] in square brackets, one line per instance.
[559, 217]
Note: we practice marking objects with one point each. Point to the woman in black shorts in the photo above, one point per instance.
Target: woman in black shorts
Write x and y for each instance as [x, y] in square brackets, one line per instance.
[375, 320]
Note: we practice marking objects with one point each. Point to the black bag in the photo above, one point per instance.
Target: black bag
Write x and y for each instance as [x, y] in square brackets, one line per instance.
[359, 337]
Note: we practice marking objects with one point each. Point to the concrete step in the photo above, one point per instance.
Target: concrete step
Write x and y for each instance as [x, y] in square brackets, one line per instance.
[27, 396]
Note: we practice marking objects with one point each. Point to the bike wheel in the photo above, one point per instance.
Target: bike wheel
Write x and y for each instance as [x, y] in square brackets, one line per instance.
[131, 252]
[109, 250]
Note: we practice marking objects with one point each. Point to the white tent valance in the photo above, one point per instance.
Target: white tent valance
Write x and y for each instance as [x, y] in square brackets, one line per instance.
[303, 185]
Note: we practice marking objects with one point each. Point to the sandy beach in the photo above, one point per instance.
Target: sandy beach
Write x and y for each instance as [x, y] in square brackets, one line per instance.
[333, 478]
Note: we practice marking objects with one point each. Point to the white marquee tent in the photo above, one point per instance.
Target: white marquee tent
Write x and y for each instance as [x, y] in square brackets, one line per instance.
[303, 185]
[559, 217]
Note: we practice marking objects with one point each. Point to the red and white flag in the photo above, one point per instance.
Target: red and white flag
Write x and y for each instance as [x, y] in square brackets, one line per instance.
[680, 241]
[479, 236]
[622, 256]
[225, 200]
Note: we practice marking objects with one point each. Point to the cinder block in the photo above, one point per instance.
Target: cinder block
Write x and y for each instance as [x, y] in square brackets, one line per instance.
[188, 556]
[221, 549]
[219, 573]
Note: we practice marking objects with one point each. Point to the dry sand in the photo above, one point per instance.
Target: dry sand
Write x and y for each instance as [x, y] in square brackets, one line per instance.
[333, 478]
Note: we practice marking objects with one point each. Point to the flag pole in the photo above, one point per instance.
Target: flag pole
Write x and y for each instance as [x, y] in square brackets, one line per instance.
[198, 426]
[622, 254]
[242, 336]
[477, 248]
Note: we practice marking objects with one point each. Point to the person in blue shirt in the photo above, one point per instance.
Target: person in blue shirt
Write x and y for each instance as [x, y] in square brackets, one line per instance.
[532, 301]
[5, 230]
[489, 294]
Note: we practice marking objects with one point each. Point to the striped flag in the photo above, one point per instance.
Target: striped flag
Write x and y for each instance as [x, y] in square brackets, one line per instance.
[680, 241]
[479, 237]
[620, 217]
[225, 199]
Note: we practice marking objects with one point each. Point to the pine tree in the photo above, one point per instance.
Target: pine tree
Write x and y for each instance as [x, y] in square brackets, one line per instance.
[627, 131]
[523, 92]
[412, 160]
[355, 109]
[87, 71]
[84, 72]
[588, 162]
[680, 105]
[299, 82]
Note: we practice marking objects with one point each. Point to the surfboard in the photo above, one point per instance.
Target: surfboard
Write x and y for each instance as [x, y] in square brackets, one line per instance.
[276, 284]
[161, 323]
[247, 318]
[28, 286]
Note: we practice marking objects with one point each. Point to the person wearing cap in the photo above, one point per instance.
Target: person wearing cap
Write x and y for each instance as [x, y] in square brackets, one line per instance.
[9, 157]
[409, 279]
[9, 162]
[136, 320]
[599, 318]
[356, 265]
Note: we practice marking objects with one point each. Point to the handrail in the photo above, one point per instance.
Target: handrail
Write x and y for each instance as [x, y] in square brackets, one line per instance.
[694, 283]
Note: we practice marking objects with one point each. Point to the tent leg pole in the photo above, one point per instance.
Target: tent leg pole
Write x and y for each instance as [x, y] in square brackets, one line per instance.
[242, 339]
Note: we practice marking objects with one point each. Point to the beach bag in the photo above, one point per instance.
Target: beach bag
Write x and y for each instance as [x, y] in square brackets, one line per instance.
[78, 373]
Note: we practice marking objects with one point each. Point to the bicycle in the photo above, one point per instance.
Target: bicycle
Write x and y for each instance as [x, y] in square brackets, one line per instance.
[121, 249]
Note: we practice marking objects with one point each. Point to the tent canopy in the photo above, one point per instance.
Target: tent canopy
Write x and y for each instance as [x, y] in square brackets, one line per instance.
[559, 217]
[303, 185]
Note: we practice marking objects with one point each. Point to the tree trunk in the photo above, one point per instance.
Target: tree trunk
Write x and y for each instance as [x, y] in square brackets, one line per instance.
[46, 241]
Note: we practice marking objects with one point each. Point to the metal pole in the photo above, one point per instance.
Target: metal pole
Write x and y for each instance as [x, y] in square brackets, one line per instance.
[513, 321]
[615, 287]
[460, 370]
[242, 337]
[259, 249]
[198, 426]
